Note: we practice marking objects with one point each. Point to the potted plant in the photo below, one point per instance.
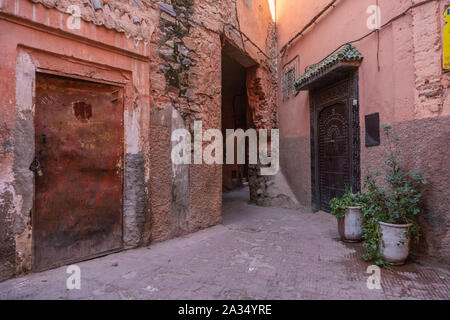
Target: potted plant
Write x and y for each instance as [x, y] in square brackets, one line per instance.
[347, 210]
[390, 212]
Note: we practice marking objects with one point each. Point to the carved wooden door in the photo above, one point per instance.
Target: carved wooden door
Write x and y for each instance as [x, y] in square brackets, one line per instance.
[333, 143]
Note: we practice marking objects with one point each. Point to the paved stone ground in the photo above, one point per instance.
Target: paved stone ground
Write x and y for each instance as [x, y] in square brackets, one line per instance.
[258, 253]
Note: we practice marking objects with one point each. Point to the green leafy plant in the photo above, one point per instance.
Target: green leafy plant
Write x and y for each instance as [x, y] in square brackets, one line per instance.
[397, 202]
[349, 199]
[374, 210]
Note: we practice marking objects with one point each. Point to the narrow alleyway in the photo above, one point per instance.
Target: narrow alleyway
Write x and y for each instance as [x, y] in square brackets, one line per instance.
[258, 253]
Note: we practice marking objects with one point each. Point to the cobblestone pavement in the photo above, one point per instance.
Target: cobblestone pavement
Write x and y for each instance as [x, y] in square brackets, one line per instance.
[258, 253]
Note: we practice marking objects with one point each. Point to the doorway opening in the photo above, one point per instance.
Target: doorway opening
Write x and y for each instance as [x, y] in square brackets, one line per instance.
[236, 114]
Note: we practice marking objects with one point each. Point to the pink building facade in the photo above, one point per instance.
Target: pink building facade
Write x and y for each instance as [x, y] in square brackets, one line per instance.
[394, 76]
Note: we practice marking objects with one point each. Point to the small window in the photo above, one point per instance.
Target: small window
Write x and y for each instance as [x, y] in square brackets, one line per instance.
[373, 130]
[289, 77]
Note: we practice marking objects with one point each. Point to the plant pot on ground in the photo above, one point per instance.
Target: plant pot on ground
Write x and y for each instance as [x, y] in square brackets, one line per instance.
[395, 243]
[391, 210]
[347, 210]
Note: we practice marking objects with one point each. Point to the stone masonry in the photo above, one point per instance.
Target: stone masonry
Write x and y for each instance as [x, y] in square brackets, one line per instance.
[182, 40]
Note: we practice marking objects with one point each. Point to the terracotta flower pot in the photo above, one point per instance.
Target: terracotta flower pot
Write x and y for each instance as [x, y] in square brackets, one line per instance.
[350, 226]
[395, 244]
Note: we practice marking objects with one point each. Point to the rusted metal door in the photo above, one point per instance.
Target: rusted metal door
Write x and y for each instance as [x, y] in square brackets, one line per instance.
[333, 143]
[79, 146]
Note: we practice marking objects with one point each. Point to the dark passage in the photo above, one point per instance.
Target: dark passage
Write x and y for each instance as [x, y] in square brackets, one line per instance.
[235, 115]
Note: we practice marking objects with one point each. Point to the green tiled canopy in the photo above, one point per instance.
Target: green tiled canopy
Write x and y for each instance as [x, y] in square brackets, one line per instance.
[347, 54]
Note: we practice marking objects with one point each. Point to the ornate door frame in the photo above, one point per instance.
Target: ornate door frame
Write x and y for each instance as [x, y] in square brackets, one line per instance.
[344, 91]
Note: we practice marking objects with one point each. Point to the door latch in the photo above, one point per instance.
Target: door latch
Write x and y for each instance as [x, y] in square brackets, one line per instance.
[35, 166]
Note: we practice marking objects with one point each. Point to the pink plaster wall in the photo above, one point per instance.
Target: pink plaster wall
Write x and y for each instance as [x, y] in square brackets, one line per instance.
[255, 20]
[409, 90]
[389, 91]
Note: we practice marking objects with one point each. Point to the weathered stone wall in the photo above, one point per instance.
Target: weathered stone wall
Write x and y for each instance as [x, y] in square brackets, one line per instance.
[183, 41]
[431, 97]
[135, 18]
[186, 78]
[103, 55]
[189, 87]
[7, 242]
[430, 131]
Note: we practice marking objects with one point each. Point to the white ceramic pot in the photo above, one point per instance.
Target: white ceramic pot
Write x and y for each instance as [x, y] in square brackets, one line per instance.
[394, 246]
[350, 227]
